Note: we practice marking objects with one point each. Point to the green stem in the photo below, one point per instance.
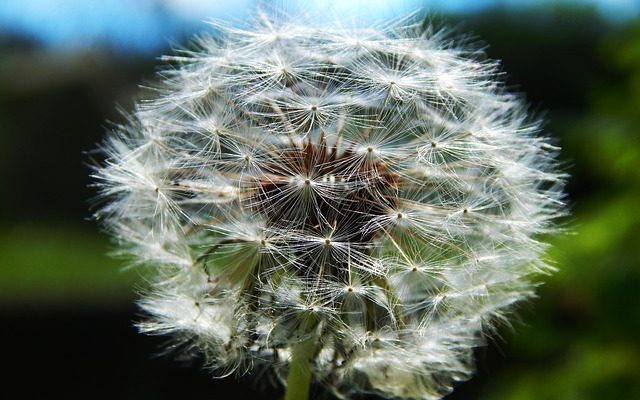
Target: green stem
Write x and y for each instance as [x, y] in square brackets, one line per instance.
[299, 378]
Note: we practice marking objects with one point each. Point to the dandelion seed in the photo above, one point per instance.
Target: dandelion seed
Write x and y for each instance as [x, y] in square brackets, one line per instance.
[353, 206]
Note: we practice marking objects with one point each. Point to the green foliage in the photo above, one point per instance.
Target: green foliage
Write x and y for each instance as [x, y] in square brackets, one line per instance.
[581, 338]
[56, 263]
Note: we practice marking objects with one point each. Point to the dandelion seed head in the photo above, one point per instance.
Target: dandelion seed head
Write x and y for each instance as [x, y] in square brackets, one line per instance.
[376, 189]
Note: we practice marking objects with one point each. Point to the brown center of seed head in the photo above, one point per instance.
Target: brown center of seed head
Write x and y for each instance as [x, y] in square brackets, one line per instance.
[342, 208]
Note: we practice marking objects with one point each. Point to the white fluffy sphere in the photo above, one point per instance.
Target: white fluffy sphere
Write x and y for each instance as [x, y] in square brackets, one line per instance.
[374, 192]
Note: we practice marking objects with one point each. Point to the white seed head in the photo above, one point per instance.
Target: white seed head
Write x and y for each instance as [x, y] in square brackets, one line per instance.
[376, 189]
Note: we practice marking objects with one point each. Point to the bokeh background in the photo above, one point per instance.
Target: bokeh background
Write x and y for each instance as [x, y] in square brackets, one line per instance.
[66, 307]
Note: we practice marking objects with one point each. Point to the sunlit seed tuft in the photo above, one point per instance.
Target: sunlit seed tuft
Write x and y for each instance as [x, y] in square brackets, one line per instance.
[375, 188]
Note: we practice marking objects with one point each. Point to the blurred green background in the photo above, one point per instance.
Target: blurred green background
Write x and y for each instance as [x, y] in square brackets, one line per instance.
[66, 307]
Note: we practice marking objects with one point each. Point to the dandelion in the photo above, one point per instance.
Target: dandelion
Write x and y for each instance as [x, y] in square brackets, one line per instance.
[356, 207]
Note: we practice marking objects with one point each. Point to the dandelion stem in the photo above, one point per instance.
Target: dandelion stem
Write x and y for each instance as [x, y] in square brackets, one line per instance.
[299, 378]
